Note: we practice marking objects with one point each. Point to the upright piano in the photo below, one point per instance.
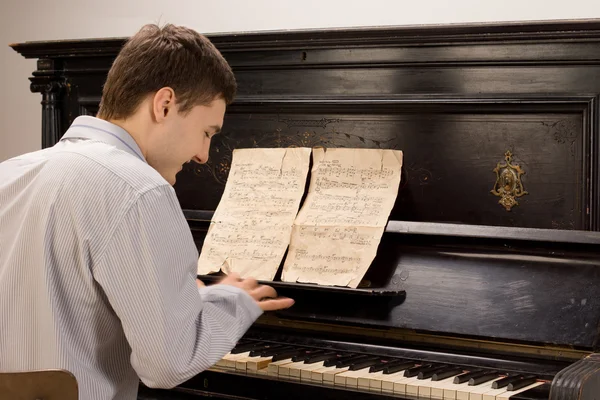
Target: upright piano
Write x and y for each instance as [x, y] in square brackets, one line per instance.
[486, 284]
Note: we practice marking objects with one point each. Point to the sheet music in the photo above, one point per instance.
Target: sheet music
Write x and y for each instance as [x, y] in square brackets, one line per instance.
[336, 234]
[250, 230]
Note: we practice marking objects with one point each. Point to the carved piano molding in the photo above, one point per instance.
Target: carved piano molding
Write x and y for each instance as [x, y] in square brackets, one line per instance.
[580, 380]
[51, 119]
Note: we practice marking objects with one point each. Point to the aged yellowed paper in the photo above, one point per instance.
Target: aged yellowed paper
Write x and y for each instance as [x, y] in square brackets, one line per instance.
[250, 230]
[337, 232]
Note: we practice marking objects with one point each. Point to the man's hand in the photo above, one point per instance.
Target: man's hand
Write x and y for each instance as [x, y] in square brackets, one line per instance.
[264, 295]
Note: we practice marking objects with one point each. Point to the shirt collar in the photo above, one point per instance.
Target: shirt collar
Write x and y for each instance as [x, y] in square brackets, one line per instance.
[88, 127]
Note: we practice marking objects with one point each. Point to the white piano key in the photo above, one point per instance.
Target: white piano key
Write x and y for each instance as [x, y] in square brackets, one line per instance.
[284, 370]
[258, 363]
[340, 379]
[296, 368]
[375, 382]
[491, 394]
[402, 386]
[426, 386]
[437, 388]
[450, 392]
[364, 381]
[352, 381]
[317, 375]
[387, 385]
[230, 359]
[273, 368]
[240, 363]
[306, 370]
[329, 376]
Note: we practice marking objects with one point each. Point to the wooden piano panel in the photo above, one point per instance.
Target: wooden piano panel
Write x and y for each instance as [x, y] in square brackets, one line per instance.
[451, 147]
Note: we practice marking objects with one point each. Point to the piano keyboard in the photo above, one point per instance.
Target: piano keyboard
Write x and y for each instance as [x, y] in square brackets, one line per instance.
[374, 373]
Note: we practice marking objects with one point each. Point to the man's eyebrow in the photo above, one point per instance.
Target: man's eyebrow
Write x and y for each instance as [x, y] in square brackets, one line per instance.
[216, 128]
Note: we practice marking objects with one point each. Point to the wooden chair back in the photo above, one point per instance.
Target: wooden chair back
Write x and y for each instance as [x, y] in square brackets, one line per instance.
[38, 385]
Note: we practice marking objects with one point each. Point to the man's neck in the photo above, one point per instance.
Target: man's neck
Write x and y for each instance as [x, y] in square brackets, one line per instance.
[135, 129]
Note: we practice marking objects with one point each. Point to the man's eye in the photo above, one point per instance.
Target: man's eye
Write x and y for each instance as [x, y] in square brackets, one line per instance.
[207, 134]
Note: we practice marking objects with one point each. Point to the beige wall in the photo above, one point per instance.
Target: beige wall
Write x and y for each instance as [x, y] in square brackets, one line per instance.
[22, 20]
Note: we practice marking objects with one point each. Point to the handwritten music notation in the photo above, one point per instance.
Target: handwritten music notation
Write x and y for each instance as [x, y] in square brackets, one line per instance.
[338, 230]
[243, 239]
[251, 227]
[334, 169]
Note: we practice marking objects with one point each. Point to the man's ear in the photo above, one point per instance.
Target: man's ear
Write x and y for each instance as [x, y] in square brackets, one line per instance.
[163, 103]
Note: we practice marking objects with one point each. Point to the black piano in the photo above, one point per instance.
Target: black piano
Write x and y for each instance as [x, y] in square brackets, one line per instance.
[486, 284]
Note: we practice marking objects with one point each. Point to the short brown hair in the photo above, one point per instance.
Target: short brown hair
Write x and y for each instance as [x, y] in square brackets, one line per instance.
[171, 56]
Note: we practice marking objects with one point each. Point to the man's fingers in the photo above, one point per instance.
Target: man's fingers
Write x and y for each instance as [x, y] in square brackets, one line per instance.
[258, 292]
[249, 284]
[276, 304]
[262, 292]
[231, 278]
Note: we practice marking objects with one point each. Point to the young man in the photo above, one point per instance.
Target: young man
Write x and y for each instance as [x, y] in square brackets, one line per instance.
[97, 263]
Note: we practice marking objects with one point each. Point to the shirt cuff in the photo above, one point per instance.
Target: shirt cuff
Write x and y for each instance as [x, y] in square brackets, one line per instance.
[219, 292]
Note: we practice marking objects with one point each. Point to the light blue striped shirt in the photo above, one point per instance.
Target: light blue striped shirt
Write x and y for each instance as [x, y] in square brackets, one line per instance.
[98, 268]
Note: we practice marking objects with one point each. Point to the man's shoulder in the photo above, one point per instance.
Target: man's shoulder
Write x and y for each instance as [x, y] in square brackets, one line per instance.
[102, 163]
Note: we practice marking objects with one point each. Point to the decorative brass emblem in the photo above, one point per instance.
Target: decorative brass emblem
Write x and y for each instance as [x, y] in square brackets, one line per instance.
[508, 182]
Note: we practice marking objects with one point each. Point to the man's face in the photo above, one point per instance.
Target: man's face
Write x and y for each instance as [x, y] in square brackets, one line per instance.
[183, 138]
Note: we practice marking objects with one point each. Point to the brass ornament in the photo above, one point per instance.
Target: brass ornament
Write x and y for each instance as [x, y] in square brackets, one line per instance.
[508, 182]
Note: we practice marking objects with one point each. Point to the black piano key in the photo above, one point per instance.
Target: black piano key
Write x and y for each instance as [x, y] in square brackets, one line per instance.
[392, 369]
[306, 354]
[414, 371]
[520, 384]
[247, 347]
[331, 355]
[268, 349]
[287, 354]
[506, 381]
[382, 364]
[438, 376]
[428, 372]
[465, 377]
[333, 361]
[350, 363]
[271, 351]
[257, 349]
[486, 377]
[330, 362]
[347, 361]
[364, 364]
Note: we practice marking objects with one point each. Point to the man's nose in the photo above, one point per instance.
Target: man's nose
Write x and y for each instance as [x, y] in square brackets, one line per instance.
[202, 157]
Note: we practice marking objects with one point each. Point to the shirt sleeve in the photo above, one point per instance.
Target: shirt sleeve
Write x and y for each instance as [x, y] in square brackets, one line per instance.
[148, 273]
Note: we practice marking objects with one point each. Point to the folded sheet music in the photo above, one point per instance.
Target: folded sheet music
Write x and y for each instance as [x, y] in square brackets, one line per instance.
[336, 234]
[334, 238]
[250, 230]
